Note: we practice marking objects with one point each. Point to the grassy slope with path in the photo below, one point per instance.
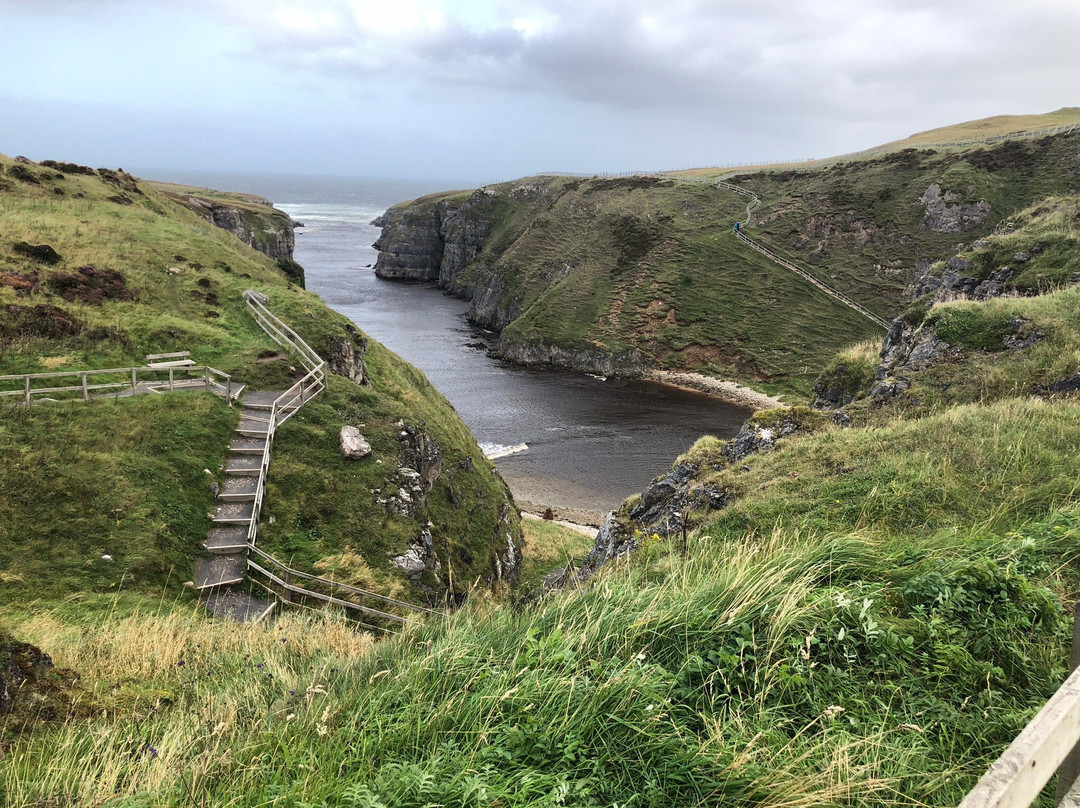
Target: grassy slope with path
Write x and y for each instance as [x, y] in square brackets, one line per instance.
[126, 478]
[648, 264]
[871, 620]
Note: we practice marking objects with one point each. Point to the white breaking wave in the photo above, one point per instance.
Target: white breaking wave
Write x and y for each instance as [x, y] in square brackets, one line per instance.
[493, 451]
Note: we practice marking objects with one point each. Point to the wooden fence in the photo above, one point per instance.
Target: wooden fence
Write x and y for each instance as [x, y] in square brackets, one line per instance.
[86, 384]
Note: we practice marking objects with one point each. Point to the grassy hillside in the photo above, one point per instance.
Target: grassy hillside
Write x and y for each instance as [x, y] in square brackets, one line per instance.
[647, 270]
[966, 351]
[849, 631]
[98, 269]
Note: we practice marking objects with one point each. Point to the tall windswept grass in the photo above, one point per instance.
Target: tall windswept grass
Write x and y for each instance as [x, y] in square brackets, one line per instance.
[787, 667]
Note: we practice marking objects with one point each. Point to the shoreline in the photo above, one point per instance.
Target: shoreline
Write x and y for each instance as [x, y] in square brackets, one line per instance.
[584, 521]
[585, 530]
[728, 391]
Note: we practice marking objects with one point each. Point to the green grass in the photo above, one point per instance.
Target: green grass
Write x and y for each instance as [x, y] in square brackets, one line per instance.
[123, 478]
[549, 545]
[859, 226]
[875, 638]
[126, 478]
[647, 266]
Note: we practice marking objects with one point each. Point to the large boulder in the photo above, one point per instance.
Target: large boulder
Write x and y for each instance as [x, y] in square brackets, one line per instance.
[353, 444]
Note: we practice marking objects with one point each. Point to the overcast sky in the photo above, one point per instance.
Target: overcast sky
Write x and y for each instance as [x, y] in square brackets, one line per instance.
[483, 90]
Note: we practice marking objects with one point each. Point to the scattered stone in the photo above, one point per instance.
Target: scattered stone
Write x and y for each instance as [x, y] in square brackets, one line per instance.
[353, 444]
[259, 297]
[106, 557]
[174, 271]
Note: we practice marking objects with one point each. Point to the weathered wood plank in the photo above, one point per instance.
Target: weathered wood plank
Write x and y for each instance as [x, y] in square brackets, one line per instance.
[1016, 778]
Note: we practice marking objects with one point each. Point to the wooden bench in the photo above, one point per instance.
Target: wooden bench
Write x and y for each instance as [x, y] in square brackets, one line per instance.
[179, 359]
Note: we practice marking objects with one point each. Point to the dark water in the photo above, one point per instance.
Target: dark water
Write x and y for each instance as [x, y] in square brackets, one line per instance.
[591, 443]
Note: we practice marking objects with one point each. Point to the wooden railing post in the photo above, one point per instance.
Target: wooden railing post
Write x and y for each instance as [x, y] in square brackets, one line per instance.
[170, 379]
[134, 381]
[286, 596]
[85, 390]
[1069, 770]
[28, 390]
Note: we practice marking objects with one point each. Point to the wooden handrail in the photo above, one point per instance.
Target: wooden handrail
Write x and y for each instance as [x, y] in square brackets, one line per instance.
[293, 573]
[1016, 778]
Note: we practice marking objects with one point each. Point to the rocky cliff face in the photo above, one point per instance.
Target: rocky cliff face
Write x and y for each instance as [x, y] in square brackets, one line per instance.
[625, 364]
[270, 231]
[690, 491]
[433, 241]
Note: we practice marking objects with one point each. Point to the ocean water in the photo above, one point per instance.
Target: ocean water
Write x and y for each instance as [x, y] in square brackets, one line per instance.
[568, 440]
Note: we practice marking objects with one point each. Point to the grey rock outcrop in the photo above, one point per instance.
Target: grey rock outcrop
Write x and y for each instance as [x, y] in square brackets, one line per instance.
[353, 444]
[626, 364]
[421, 452]
[947, 213]
[270, 232]
[421, 465]
[346, 356]
[419, 558]
[508, 554]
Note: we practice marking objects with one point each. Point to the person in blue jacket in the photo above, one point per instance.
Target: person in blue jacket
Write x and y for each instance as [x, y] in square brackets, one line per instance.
[736, 227]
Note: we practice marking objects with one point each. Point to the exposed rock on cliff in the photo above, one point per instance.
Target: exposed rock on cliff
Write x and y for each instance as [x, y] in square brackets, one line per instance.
[347, 356]
[259, 225]
[627, 364]
[433, 242]
[688, 493]
[947, 213]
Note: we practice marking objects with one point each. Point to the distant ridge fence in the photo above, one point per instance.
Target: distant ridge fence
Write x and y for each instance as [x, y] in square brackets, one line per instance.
[820, 162]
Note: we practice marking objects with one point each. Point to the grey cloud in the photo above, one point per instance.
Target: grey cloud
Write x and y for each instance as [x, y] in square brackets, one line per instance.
[844, 59]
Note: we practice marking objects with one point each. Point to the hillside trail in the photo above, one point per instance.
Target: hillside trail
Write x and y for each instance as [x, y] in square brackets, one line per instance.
[754, 202]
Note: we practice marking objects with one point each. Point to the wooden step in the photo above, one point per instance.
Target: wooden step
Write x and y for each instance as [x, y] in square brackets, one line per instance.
[220, 570]
[226, 539]
[234, 513]
[243, 465]
[238, 489]
[248, 445]
[260, 399]
[253, 430]
[238, 606]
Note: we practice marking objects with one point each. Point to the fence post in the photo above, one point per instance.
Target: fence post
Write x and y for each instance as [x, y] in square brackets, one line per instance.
[170, 380]
[1069, 769]
[206, 377]
[228, 390]
[133, 380]
[286, 594]
[27, 390]
[85, 390]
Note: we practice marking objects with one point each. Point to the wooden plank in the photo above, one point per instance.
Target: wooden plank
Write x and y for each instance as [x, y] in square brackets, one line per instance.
[183, 363]
[1016, 778]
[1070, 767]
[173, 355]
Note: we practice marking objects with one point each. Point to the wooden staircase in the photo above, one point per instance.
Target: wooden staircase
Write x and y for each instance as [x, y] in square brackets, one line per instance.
[232, 528]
